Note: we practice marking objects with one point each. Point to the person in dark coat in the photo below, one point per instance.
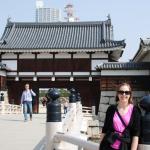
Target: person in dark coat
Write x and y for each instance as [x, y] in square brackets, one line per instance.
[121, 128]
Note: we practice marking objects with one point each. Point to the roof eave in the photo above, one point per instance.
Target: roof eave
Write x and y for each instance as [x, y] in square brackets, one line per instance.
[62, 50]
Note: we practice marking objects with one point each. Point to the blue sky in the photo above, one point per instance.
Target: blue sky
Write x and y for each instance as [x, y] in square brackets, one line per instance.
[130, 18]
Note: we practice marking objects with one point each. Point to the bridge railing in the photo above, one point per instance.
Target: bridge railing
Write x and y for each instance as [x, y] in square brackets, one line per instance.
[64, 131]
[81, 143]
[68, 131]
[10, 108]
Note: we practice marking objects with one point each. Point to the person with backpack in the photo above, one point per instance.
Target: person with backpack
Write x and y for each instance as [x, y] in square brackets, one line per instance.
[26, 100]
[121, 128]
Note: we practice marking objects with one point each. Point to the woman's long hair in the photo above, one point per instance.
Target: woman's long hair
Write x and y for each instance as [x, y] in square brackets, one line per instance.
[118, 88]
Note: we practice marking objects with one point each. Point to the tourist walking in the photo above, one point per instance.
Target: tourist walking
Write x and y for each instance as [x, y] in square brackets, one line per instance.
[121, 128]
[26, 100]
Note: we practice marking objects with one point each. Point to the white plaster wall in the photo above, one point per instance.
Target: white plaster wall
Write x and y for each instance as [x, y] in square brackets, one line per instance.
[99, 55]
[81, 55]
[2, 73]
[62, 73]
[44, 55]
[11, 73]
[26, 73]
[94, 63]
[26, 56]
[81, 73]
[9, 56]
[11, 64]
[63, 55]
[44, 73]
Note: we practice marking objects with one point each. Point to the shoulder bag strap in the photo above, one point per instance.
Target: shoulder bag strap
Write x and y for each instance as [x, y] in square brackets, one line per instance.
[121, 118]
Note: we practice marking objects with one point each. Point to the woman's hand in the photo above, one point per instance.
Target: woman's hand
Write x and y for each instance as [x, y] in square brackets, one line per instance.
[134, 144]
[102, 136]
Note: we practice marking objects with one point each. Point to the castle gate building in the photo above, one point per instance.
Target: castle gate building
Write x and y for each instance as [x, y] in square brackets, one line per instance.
[61, 55]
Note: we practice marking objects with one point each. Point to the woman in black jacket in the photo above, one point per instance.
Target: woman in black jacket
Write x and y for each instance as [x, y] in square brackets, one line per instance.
[121, 128]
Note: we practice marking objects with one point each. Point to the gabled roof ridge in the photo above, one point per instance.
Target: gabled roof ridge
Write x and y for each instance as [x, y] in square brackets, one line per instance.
[85, 23]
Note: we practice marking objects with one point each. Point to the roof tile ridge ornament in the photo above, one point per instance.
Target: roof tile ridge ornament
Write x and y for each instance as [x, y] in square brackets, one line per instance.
[141, 41]
[11, 33]
[122, 42]
[109, 19]
[3, 41]
[8, 20]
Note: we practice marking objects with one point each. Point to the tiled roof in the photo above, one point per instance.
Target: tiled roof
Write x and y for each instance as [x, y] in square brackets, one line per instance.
[59, 35]
[123, 66]
[144, 49]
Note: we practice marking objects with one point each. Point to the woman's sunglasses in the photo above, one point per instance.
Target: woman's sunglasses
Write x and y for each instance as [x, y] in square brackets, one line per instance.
[124, 92]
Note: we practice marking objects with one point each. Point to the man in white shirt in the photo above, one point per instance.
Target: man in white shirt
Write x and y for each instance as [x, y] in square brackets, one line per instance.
[26, 100]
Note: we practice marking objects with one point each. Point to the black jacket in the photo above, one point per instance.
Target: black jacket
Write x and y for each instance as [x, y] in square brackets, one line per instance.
[133, 126]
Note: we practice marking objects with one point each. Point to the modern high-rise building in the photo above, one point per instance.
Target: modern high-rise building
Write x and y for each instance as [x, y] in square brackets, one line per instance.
[44, 14]
[39, 4]
[69, 9]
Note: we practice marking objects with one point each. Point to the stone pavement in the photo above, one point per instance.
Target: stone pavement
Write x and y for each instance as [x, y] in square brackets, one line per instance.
[15, 134]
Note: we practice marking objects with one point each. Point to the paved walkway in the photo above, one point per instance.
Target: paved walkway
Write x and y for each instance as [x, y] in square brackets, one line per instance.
[15, 134]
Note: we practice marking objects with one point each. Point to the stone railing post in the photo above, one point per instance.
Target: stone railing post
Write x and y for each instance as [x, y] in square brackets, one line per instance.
[79, 105]
[145, 124]
[93, 110]
[72, 99]
[2, 102]
[53, 124]
[2, 97]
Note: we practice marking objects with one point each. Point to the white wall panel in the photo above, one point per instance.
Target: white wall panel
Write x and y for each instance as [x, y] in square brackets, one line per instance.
[81, 55]
[11, 73]
[11, 64]
[26, 73]
[99, 55]
[2, 73]
[81, 73]
[9, 56]
[26, 56]
[63, 55]
[62, 73]
[44, 55]
[44, 73]
[97, 62]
